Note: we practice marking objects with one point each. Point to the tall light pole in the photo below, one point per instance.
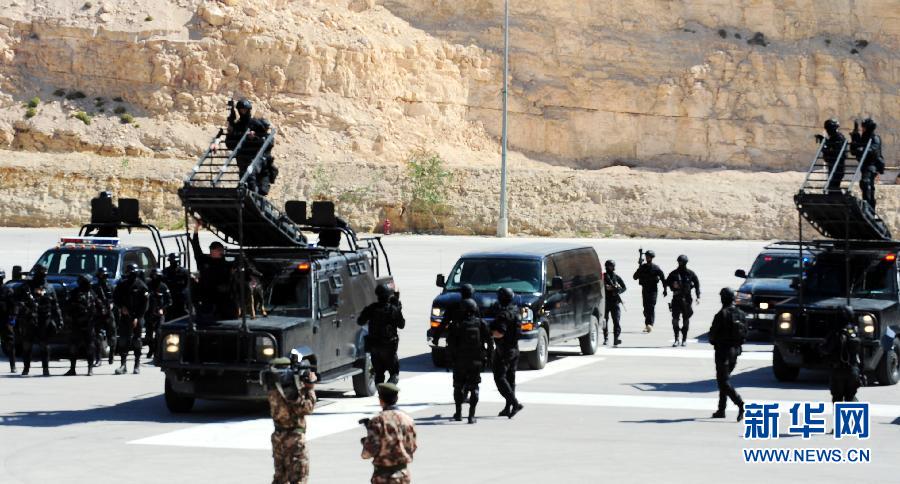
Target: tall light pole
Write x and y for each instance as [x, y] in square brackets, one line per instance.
[503, 223]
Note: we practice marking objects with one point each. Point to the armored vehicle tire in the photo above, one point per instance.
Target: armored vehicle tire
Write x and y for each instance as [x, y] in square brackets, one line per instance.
[783, 371]
[177, 403]
[537, 359]
[591, 341]
[889, 366]
[364, 383]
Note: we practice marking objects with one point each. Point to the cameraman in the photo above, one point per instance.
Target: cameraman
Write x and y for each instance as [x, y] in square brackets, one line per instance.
[391, 439]
[289, 403]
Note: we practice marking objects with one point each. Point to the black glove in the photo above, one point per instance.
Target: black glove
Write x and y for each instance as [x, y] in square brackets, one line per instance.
[819, 138]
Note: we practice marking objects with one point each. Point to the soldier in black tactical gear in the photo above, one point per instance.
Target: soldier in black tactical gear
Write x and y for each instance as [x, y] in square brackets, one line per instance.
[7, 322]
[681, 281]
[82, 307]
[384, 318]
[257, 129]
[649, 276]
[160, 299]
[506, 329]
[843, 350]
[873, 165]
[216, 301]
[833, 153]
[727, 335]
[131, 298]
[454, 313]
[614, 286]
[470, 344]
[106, 316]
[38, 316]
[177, 279]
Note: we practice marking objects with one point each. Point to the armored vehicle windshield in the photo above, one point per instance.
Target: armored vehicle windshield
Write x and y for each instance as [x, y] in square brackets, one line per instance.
[872, 276]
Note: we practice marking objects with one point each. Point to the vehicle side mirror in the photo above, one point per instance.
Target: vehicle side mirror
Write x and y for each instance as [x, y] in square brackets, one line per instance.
[17, 273]
[556, 283]
[740, 273]
[440, 281]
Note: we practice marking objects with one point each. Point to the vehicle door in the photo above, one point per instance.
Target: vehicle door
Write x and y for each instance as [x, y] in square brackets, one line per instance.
[589, 292]
[560, 303]
[325, 322]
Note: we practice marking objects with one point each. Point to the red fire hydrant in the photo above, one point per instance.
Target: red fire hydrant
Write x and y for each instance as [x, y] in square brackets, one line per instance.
[386, 228]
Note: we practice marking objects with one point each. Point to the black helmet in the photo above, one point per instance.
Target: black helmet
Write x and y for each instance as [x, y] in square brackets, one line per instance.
[727, 295]
[469, 307]
[610, 265]
[832, 125]
[244, 104]
[131, 270]
[84, 281]
[156, 273]
[505, 295]
[650, 254]
[102, 273]
[682, 259]
[467, 291]
[383, 292]
[173, 257]
[869, 124]
[39, 274]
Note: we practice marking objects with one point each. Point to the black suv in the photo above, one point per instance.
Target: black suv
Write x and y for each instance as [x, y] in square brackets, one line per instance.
[559, 290]
[769, 282]
[861, 274]
[313, 296]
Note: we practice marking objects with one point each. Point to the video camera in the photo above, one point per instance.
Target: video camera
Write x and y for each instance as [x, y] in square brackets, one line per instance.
[298, 371]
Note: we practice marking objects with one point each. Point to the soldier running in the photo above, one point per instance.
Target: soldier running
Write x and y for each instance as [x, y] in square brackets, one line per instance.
[390, 440]
[384, 318]
[681, 281]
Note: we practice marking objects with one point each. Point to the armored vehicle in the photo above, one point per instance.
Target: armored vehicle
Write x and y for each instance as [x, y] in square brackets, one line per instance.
[310, 294]
[558, 287]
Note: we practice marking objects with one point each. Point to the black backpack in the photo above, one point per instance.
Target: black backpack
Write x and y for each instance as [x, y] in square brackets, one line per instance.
[471, 345]
[738, 326]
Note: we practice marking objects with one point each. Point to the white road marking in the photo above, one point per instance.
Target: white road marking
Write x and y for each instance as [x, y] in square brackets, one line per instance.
[687, 352]
[418, 393]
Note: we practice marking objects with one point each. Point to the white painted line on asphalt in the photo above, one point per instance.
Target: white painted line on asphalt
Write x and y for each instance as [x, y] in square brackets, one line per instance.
[755, 355]
[417, 394]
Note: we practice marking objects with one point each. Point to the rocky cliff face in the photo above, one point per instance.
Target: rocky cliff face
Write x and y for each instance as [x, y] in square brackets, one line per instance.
[355, 85]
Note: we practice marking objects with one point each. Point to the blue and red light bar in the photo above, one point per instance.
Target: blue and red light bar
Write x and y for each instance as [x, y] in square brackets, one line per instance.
[111, 241]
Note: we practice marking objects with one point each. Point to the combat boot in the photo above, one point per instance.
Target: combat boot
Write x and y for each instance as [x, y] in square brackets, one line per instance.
[137, 365]
[740, 416]
[617, 342]
[26, 367]
[90, 369]
[71, 371]
[505, 411]
[675, 343]
[122, 369]
[720, 413]
[516, 409]
[472, 418]
[458, 415]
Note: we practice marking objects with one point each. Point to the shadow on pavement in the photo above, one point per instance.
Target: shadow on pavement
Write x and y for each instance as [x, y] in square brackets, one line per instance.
[757, 378]
[148, 409]
[664, 420]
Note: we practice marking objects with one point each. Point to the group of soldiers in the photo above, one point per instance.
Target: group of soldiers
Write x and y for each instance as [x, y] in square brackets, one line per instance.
[683, 283]
[834, 154]
[93, 313]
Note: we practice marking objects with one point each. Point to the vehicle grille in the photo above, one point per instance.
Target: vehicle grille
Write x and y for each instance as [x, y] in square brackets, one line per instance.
[220, 386]
[218, 348]
[818, 324]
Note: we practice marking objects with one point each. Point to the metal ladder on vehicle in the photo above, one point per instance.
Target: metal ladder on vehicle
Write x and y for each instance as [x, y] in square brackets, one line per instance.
[216, 193]
[838, 212]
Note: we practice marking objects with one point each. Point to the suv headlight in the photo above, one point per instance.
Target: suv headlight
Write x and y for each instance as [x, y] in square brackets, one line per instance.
[867, 324]
[526, 314]
[743, 299]
[265, 347]
[785, 323]
[172, 344]
[437, 312]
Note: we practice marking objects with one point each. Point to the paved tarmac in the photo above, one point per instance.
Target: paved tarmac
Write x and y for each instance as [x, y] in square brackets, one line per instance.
[627, 414]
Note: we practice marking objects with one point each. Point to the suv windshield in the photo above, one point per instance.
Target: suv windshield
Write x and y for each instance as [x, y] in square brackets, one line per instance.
[870, 277]
[290, 295]
[492, 274]
[73, 262]
[775, 267]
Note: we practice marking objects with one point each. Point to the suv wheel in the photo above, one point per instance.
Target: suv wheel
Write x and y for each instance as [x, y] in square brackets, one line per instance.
[537, 359]
[783, 371]
[591, 341]
[177, 403]
[364, 383]
[889, 366]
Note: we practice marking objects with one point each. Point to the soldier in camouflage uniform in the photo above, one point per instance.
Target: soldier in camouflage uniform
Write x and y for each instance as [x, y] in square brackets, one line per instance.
[289, 407]
[391, 439]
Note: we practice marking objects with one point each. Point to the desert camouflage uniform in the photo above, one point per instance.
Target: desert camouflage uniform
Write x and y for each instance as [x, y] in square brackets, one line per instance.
[390, 444]
[288, 441]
